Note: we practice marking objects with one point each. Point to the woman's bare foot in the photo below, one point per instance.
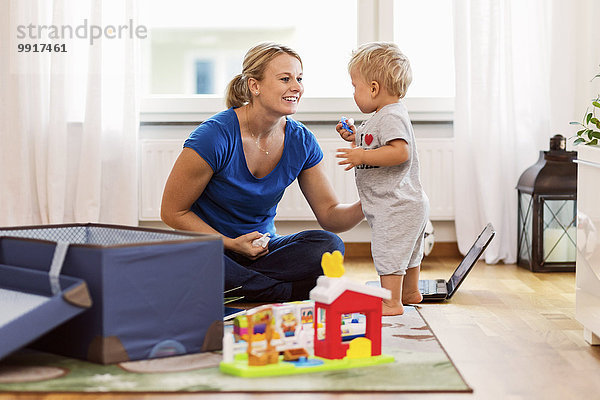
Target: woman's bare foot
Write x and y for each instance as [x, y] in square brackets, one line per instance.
[390, 307]
[414, 297]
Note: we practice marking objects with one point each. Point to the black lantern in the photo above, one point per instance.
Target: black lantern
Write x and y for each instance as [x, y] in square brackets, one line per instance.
[548, 211]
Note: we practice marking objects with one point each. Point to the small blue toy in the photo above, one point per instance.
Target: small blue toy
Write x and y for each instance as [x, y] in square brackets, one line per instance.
[346, 123]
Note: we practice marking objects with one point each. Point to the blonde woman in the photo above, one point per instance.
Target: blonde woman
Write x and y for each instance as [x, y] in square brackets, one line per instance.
[233, 171]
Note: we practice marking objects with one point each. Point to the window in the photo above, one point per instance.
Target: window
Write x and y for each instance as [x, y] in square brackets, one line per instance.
[195, 48]
[205, 76]
[432, 54]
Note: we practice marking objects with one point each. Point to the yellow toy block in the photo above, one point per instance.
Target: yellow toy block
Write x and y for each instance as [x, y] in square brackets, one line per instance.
[333, 264]
[359, 348]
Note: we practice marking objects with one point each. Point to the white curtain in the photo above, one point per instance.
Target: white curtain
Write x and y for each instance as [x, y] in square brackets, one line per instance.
[68, 120]
[518, 67]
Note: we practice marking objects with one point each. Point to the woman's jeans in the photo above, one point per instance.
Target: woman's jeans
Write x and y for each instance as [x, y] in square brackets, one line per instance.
[286, 273]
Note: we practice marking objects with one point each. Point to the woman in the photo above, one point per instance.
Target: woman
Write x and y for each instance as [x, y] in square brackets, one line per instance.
[233, 171]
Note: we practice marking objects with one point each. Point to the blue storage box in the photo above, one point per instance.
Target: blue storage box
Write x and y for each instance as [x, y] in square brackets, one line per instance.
[155, 293]
[31, 304]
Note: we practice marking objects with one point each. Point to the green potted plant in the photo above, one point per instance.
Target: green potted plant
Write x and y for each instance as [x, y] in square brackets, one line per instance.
[590, 134]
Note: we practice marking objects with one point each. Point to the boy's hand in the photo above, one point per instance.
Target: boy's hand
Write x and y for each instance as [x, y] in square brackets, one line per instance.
[351, 156]
[347, 135]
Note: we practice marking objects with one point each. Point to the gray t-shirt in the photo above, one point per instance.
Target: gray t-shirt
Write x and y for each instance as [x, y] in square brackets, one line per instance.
[392, 198]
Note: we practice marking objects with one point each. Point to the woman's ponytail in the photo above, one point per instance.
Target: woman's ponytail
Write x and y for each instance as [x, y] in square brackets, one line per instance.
[237, 93]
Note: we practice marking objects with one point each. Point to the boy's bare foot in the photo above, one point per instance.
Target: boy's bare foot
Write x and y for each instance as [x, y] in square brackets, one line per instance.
[414, 297]
[389, 307]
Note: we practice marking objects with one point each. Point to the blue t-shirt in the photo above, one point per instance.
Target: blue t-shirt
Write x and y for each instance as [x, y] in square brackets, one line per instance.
[234, 201]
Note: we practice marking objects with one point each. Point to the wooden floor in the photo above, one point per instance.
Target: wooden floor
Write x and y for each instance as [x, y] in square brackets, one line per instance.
[511, 333]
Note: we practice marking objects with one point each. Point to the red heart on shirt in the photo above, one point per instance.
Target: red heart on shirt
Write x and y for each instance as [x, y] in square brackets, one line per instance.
[368, 139]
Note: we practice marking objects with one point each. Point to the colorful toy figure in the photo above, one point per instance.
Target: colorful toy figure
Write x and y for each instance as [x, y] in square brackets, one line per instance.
[240, 329]
[346, 122]
[342, 322]
[263, 318]
[286, 317]
[307, 315]
[288, 324]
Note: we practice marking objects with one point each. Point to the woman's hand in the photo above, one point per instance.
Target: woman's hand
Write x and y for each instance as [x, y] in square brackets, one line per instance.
[243, 245]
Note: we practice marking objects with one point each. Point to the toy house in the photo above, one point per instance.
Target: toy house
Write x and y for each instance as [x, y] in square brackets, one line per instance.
[337, 300]
[335, 297]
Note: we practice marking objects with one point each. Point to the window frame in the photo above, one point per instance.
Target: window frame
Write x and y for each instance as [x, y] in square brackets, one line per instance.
[375, 22]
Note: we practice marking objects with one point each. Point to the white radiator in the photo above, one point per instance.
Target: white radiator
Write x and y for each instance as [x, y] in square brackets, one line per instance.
[156, 160]
[436, 157]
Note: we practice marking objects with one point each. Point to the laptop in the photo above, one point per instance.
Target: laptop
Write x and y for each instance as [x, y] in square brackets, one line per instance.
[440, 289]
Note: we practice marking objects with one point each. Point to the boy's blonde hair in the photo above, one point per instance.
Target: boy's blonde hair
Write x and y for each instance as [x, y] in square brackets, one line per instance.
[385, 63]
[255, 63]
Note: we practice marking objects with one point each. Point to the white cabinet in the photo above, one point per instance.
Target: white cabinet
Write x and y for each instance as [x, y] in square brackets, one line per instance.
[587, 307]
